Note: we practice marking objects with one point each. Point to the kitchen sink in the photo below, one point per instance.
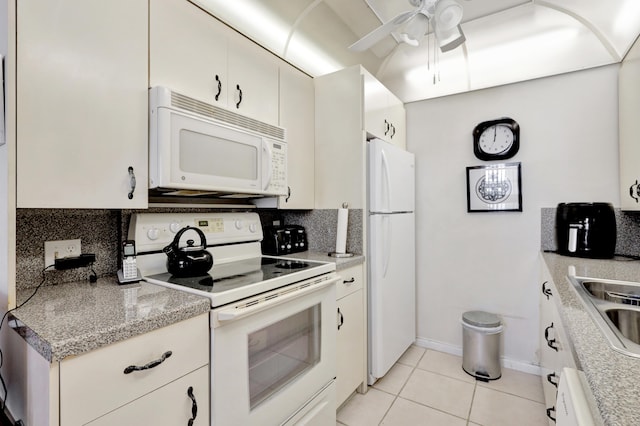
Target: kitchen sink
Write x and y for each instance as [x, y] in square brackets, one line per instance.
[616, 292]
[615, 308]
[627, 321]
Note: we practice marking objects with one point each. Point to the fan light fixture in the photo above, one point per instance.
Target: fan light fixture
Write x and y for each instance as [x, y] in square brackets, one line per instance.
[448, 14]
[444, 15]
[447, 17]
[415, 30]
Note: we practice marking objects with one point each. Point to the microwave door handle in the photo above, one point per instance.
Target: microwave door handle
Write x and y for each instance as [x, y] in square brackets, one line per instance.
[267, 170]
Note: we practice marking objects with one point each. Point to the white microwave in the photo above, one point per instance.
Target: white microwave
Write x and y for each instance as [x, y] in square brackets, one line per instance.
[198, 148]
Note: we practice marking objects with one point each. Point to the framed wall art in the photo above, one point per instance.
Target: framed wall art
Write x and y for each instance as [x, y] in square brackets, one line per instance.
[494, 188]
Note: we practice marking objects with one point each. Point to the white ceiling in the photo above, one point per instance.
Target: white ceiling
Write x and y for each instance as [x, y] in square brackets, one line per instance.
[507, 40]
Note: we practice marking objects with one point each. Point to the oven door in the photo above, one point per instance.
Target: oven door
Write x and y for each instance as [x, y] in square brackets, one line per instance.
[274, 354]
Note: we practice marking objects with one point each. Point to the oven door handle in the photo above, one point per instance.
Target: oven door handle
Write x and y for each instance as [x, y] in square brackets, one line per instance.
[242, 311]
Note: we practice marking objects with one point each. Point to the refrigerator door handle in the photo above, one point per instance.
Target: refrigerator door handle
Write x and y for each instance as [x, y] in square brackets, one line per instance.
[386, 243]
[386, 186]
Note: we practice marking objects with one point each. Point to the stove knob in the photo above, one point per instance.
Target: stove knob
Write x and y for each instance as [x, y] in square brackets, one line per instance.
[253, 227]
[174, 227]
[152, 233]
[238, 224]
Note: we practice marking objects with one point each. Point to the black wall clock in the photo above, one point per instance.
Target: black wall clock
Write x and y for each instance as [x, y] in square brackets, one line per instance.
[496, 139]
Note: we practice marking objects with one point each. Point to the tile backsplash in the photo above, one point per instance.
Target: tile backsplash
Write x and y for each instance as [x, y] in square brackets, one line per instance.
[101, 232]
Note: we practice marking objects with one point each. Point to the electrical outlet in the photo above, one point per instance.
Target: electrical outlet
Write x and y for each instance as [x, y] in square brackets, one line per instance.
[59, 249]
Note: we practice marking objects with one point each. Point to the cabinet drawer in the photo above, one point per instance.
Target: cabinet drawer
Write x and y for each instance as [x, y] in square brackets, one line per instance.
[352, 280]
[168, 406]
[95, 383]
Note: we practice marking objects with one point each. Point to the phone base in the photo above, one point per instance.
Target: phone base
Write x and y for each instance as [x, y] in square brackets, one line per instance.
[123, 280]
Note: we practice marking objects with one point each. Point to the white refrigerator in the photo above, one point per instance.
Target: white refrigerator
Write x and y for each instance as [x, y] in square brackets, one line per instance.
[391, 255]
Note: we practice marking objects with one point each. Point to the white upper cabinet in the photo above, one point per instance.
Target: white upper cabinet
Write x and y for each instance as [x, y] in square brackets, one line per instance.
[297, 116]
[340, 149]
[187, 51]
[81, 103]
[629, 108]
[253, 80]
[351, 106]
[193, 53]
[384, 113]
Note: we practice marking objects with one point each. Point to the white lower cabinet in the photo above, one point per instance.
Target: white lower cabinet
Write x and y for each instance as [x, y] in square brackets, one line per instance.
[351, 354]
[555, 349]
[173, 404]
[150, 370]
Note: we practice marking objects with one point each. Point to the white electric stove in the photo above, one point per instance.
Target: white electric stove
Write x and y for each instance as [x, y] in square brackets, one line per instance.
[273, 319]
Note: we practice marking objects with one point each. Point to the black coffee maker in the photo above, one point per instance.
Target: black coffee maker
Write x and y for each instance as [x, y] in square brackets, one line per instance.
[586, 230]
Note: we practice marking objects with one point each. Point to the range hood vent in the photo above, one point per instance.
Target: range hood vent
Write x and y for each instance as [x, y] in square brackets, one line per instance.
[202, 108]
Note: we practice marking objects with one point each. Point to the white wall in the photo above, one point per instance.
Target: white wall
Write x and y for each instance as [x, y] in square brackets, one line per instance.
[489, 261]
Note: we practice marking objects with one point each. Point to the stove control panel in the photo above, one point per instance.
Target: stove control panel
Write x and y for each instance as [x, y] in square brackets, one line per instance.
[153, 231]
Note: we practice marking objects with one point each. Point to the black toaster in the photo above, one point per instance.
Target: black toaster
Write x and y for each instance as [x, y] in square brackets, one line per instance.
[279, 240]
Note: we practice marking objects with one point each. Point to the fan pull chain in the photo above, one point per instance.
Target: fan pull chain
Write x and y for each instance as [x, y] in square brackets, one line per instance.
[428, 45]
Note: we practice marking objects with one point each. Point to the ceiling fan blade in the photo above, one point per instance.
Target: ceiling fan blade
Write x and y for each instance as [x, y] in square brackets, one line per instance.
[381, 32]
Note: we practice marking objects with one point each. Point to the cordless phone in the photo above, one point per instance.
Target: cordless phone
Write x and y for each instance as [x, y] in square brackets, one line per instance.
[129, 272]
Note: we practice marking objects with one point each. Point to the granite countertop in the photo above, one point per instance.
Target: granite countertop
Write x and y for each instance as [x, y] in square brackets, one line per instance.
[612, 375]
[341, 262]
[72, 318]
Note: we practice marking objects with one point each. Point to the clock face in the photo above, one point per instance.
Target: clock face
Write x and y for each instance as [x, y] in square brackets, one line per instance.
[496, 139]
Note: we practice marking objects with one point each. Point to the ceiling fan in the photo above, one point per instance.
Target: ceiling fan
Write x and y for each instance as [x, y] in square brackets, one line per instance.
[411, 26]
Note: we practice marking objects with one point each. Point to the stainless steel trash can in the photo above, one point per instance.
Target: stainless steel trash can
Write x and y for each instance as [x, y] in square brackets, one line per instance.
[481, 345]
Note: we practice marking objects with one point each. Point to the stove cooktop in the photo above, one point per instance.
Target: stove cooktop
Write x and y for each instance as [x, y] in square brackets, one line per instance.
[233, 281]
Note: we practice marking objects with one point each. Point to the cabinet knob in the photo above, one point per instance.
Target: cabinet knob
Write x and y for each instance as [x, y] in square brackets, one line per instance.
[386, 127]
[286, 200]
[132, 182]
[219, 87]
[351, 281]
[393, 131]
[551, 377]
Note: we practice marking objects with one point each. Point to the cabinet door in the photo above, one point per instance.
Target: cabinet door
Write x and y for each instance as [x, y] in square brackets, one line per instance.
[170, 405]
[297, 117]
[340, 148]
[253, 80]
[188, 51]
[350, 345]
[81, 103]
[397, 117]
[376, 120]
[629, 105]
[351, 365]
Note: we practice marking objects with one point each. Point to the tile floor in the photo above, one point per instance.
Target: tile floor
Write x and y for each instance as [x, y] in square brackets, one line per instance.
[427, 387]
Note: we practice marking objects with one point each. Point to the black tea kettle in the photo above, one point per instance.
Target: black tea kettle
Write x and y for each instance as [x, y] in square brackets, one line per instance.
[189, 261]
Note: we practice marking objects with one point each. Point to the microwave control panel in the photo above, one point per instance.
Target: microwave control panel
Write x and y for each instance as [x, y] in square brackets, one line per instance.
[278, 183]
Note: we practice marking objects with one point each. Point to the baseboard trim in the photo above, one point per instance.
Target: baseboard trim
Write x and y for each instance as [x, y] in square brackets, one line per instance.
[457, 350]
